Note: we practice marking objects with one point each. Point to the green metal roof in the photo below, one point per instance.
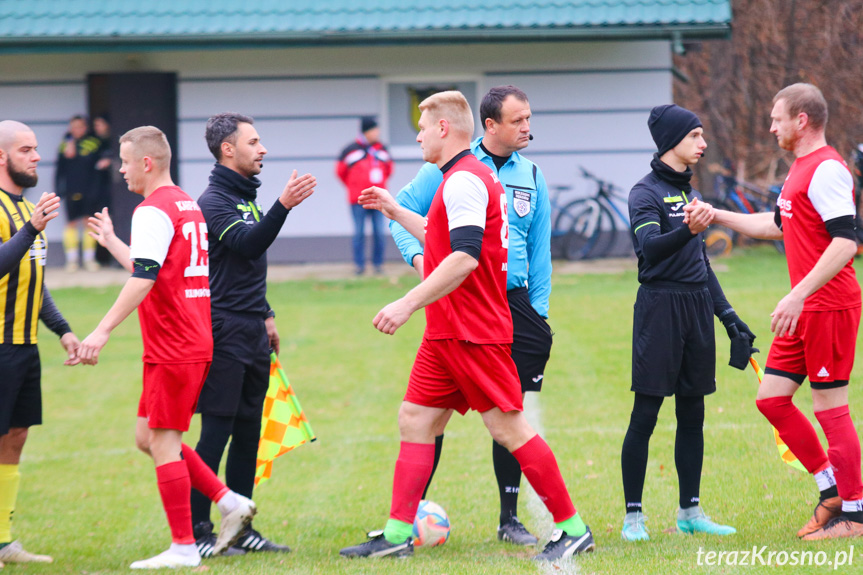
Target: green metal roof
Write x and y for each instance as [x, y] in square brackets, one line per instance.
[68, 24]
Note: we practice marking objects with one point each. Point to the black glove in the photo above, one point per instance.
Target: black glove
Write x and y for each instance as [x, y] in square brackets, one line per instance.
[741, 340]
[734, 325]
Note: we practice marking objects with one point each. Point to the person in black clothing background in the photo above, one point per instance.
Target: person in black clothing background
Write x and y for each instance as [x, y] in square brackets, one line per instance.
[102, 131]
[76, 181]
[244, 328]
[673, 347]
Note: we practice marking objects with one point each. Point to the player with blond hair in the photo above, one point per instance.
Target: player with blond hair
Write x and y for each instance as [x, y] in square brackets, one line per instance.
[464, 360]
[169, 287]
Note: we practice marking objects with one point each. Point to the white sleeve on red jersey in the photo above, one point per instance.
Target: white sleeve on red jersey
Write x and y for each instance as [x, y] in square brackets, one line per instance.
[152, 233]
[831, 190]
[466, 199]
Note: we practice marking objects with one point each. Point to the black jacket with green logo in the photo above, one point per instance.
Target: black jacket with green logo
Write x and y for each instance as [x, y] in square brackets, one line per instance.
[666, 249]
[239, 235]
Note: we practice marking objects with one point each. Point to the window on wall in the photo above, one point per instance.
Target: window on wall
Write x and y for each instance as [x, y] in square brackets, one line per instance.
[403, 99]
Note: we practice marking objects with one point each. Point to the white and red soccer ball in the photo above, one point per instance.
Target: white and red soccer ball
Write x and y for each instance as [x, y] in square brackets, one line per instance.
[431, 525]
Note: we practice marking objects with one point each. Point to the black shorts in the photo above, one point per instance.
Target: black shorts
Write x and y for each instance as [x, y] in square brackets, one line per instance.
[240, 374]
[673, 342]
[20, 389]
[77, 207]
[531, 340]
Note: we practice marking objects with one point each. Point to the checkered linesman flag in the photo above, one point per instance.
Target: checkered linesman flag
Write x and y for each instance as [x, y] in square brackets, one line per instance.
[283, 425]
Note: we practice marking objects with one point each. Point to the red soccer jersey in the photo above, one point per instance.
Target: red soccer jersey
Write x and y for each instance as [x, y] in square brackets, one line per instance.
[477, 311]
[819, 187]
[169, 228]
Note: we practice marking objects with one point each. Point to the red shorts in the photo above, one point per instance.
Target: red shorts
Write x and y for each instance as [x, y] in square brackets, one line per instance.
[454, 374]
[822, 348]
[171, 393]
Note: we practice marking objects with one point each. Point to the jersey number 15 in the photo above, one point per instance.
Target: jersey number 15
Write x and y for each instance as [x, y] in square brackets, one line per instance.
[198, 262]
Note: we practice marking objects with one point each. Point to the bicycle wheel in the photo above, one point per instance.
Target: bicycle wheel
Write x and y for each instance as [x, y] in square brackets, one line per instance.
[565, 217]
[606, 234]
[719, 241]
[580, 219]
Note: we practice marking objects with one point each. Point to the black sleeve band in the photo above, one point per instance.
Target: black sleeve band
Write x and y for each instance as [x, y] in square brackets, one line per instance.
[467, 239]
[842, 227]
[145, 269]
[51, 316]
[777, 218]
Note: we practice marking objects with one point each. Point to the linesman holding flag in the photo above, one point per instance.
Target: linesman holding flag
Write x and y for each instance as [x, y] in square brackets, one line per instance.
[244, 325]
[673, 344]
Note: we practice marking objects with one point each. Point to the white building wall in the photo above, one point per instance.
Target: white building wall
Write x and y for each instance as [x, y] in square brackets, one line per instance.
[590, 102]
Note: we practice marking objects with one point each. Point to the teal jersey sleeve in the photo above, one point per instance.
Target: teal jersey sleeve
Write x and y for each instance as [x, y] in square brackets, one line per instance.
[539, 250]
[416, 196]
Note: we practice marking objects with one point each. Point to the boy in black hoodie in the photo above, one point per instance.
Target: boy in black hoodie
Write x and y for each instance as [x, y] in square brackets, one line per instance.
[673, 347]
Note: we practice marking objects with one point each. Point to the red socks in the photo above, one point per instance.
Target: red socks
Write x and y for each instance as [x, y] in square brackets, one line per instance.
[540, 467]
[175, 489]
[175, 486]
[796, 431]
[842, 440]
[843, 450]
[202, 477]
[412, 473]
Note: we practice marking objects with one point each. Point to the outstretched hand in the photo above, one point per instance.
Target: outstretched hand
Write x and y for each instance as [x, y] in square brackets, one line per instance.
[375, 198]
[297, 189]
[101, 227]
[45, 211]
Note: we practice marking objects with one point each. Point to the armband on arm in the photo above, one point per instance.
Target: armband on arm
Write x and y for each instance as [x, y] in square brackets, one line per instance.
[842, 227]
[145, 269]
[467, 239]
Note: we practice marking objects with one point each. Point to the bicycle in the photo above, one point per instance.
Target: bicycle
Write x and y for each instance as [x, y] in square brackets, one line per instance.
[587, 227]
[742, 197]
[559, 237]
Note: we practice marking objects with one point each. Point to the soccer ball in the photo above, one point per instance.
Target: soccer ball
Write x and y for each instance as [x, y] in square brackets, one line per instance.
[431, 525]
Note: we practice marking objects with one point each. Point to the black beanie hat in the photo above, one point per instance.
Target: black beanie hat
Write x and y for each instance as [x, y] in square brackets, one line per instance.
[367, 123]
[669, 124]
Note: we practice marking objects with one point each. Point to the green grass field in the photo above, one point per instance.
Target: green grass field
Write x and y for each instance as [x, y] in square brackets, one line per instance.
[90, 499]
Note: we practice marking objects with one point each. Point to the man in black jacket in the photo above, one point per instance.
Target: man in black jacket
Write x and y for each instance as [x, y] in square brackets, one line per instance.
[76, 180]
[244, 328]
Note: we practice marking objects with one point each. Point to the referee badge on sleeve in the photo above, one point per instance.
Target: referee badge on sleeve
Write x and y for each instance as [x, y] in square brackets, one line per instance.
[521, 202]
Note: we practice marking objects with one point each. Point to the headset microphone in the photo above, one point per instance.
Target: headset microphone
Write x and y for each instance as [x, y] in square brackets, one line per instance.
[530, 137]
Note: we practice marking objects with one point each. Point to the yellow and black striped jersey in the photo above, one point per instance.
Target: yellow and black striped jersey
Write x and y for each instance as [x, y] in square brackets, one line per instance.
[21, 289]
[84, 147]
